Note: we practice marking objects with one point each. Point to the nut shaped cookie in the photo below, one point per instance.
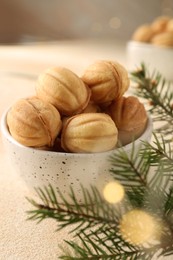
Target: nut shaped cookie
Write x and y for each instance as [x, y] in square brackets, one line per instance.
[143, 33]
[159, 24]
[130, 117]
[64, 89]
[107, 80]
[169, 26]
[33, 122]
[89, 133]
[163, 39]
[91, 108]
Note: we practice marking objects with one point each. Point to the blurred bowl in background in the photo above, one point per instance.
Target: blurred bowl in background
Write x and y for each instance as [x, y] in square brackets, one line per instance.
[155, 57]
[39, 168]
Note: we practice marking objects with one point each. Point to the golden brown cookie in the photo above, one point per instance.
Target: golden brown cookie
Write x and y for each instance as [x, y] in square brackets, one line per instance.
[33, 122]
[91, 108]
[169, 26]
[163, 39]
[130, 118]
[89, 133]
[143, 33]
[107, 80]
[63, 89]
[159, 24]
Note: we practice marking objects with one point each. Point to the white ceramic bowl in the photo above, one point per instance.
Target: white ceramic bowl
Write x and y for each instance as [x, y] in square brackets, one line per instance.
[39, 168]
[155, 57]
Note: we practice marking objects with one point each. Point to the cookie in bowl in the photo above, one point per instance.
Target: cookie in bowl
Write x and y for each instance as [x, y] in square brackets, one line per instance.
[107, 80]
[152, 44]
[64, 89]
[89, 133]
[33, 122]
[63, 136]
[130, 117]
[63, 170]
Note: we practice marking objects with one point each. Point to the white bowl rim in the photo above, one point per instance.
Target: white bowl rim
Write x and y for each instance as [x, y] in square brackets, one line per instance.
[8, 136]
[148, 45]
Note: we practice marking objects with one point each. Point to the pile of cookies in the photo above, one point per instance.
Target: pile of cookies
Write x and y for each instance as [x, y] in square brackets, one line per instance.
[159, 32]
[79, 114]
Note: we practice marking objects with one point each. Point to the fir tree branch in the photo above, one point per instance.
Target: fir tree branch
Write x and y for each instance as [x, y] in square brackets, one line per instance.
[95, 251]
[154, 88]
[160, 158]
[130, 170]
[104, 241]
[94, 211]
[152, 167]
[160, 151]
[98, 221]
[158, 94]
[96, 248]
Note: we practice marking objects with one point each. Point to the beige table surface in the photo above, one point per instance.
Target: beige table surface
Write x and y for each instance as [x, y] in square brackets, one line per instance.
[19, 67]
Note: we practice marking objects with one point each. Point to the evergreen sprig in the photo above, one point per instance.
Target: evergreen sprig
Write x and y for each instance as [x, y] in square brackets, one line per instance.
[147, 180]
[158, 93]
[93, 212]
[155, 159]
[97, 222]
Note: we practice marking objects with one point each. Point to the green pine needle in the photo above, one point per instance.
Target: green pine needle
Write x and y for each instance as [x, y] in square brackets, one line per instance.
[158, 94]
[85, 216]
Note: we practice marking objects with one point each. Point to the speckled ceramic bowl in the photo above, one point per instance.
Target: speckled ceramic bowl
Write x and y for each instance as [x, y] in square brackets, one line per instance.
[39, 168]
[155, 57]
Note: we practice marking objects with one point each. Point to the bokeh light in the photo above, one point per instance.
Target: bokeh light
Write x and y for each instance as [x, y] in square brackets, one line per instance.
[139, 227]
[113, 192]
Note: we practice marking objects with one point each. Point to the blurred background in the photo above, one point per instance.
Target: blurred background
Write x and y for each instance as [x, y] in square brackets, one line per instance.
[41, 20]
